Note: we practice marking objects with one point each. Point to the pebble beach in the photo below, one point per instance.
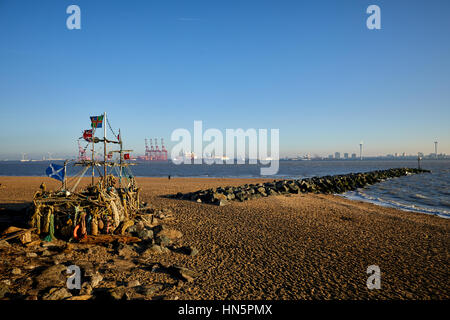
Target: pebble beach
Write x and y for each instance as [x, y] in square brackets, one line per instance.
[297, 246]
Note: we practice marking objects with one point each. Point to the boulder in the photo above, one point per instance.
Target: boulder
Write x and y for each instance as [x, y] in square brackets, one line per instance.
[4, 290]
[171, 234]
[57, 294]
[145, 234]
[182, 273]
[133, 283]
[16, 271]
[86, 288]
[154, 249]
[95, 279]
[162, 240]
[117, 293]
[53, 276]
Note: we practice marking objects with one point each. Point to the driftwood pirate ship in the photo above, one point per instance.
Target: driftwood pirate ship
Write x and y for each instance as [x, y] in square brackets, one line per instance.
[106, 206]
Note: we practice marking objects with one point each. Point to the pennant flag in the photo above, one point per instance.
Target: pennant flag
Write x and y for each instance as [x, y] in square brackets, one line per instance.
[87, 135]
[55, 171]
[96, 121]
[126, 156]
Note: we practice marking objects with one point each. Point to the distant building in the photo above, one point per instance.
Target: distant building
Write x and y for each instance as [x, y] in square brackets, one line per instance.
[337, 155]
[353, 155]
[346, 155]
[330, 156]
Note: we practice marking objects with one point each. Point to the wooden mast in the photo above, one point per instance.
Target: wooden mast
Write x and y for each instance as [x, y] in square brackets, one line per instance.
[104, 153]
[120, 161]
[93, 153]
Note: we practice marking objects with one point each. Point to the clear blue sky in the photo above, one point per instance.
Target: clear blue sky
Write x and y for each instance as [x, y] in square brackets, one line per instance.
[309, 68]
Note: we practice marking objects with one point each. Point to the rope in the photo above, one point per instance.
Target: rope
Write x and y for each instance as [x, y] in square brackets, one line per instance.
[110, 128]
[51, 229]
[79, 179]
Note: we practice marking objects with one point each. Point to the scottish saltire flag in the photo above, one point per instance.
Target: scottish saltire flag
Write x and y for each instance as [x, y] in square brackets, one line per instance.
[55, 171]
[96, 121]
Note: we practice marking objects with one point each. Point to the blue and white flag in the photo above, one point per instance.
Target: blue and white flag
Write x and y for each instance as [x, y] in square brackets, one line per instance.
[55, 171]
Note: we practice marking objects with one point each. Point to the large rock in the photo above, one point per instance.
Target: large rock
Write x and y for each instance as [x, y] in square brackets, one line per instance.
[57, 294]
[182, 273]
[162, 240]
[171, 234]
[95, 279]
[154, 249]
[4, 290]
[145, 234]
[53, 276]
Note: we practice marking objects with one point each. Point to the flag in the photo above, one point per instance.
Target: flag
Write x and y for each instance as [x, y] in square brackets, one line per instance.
[126, 156]
[96, 121]
[55, 171]
[87, 135]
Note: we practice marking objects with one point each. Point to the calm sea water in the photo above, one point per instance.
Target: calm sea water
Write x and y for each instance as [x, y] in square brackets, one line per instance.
[427, 193]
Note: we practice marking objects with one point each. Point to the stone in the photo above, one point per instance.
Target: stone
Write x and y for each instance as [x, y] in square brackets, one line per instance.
[133, 283]
[222, 202]
[57, 294]
[32, 255]
[162, 241]
[158, 229]
[117, 293]
[4, 244]
[126, 251]
[182, 273]
[4, 290]
[95, 279]
[150, 289]
[193, 251]
[145, 234]
[53, 276]
[16, 271]
[81, 297]
[154, 249]
[46, 253]
[86, 288]
[6, 282]
[171, 234]
[30, 266]
[132, 229]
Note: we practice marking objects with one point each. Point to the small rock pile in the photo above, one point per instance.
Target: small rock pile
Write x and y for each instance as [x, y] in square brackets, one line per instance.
[326, 185]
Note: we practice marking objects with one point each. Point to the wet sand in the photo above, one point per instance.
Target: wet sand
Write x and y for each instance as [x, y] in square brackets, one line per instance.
[303, 246]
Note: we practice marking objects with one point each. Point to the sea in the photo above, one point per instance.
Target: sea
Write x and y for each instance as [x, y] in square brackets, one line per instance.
[425, 193]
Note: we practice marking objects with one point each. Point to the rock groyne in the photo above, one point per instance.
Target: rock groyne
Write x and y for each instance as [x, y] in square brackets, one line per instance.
[325, 185]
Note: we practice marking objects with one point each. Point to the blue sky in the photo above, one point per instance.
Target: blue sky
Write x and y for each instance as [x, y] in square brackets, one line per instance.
[308, 68]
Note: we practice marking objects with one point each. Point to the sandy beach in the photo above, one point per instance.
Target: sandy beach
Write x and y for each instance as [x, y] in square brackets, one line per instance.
[304, 246]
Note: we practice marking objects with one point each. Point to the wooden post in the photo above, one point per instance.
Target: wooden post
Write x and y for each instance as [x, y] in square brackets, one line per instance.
[93, 155]
[65, 172]
[104, 153]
